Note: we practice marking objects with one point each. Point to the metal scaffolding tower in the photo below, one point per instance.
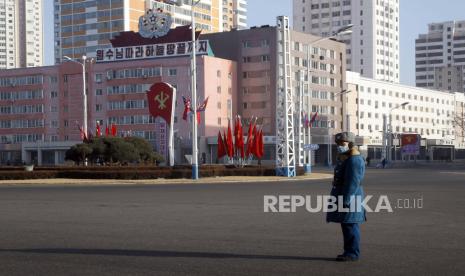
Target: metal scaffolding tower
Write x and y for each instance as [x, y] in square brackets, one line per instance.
[285, 148]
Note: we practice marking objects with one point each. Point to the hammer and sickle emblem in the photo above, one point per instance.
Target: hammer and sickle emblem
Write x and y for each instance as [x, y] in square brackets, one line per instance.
[161, 99]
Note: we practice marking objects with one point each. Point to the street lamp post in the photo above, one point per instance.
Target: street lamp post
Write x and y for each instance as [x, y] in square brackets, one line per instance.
[194, 161]
[308, 160]
[387, 132]
[84, 93]
[330, 153]
[195, 164]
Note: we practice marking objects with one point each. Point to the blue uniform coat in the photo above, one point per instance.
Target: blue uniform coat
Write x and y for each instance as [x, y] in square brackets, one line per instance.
[348, 176]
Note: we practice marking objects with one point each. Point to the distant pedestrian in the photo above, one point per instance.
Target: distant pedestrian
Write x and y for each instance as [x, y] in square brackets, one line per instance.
[368, 161]
[348, 176]
[383, 163]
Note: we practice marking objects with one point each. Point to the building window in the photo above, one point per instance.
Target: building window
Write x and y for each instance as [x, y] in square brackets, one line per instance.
[172, 72]
[265, 43]
[246, 44]
[98, 78]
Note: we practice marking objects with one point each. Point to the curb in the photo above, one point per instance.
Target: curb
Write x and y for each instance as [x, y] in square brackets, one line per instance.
[209, 180]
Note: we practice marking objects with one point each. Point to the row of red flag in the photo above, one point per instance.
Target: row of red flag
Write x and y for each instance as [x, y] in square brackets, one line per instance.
[109, 131]
[229, 146]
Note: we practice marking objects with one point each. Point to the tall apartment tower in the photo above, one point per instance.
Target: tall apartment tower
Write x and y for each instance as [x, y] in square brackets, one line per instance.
[81, 27]
[373, 46]
[440, 57]
[21, 41]
[211, 15]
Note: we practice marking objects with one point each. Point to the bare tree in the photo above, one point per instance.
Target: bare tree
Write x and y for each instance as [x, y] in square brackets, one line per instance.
[459, 121]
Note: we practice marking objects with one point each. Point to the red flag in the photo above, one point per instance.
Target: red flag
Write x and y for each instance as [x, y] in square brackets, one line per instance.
[221, 147]
[256, 146]
[241, 138]
[261, 146]
[97, 130]
[82, 134]
[313, 118]
[107, 131]
[201, 108]
[187, 108]
[113, 130]
[249, 138]
[229, 141]
[236, 137]
[253, 148]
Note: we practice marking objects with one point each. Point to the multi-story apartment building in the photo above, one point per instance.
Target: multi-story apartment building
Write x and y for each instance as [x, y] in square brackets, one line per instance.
[21, 41]
[41, 108]
[373, 46]
[431, 113]
[211, 15]
[81, 27]
[440, 57]
[322, 67]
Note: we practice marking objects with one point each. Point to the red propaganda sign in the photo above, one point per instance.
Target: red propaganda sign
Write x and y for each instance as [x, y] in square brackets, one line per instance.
[409, 139]
[410, 143]
[160, 100]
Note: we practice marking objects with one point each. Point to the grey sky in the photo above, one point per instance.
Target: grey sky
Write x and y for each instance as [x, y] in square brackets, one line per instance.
[414, 17]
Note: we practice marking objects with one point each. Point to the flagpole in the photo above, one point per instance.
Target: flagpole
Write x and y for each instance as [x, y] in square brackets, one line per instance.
[171, 134]
[195, 166]
[308, 164]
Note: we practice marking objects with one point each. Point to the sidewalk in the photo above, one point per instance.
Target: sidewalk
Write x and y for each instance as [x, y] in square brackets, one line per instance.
[160, 181]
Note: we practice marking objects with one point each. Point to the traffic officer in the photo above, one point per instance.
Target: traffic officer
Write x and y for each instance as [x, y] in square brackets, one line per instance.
[348, 176]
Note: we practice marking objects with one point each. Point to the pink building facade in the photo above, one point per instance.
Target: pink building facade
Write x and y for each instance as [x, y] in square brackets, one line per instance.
[41, 108]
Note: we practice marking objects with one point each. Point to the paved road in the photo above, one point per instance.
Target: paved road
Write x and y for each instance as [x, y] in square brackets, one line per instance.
[221, 229]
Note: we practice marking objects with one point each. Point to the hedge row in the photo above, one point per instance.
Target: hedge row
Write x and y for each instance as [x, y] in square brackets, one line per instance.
[20, 175]
[136, 173]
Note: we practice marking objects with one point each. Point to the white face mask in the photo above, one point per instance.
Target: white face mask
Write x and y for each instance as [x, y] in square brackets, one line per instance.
[342, 149]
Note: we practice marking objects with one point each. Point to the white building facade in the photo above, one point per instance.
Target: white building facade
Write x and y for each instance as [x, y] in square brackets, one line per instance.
[373, 46]
[21, 40]
[440, 57]
[430, 113]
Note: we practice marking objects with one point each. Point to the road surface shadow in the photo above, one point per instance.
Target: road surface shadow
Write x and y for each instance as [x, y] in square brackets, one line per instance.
[161, 253]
